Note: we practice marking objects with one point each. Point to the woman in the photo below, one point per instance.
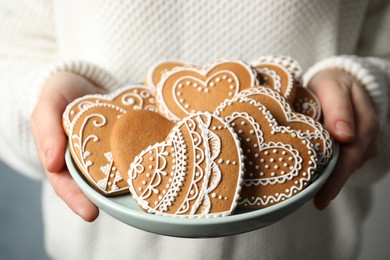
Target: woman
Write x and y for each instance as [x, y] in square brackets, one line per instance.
[55, 51]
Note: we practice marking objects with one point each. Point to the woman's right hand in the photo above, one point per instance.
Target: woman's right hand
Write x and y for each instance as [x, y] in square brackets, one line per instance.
[50, 139]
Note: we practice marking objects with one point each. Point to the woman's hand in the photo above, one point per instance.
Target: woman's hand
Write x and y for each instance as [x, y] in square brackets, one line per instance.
[350, 118]
[50, 139]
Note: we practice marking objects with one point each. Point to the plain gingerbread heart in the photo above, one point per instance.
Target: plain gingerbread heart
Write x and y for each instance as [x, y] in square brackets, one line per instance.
[135, 131]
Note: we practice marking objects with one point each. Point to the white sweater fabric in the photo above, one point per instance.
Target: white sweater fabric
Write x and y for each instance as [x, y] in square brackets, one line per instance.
[113, 43]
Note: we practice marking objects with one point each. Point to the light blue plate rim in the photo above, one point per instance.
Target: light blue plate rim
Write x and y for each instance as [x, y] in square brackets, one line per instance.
[244, 221]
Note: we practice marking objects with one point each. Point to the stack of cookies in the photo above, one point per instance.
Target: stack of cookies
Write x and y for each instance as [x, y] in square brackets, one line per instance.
[200, 141]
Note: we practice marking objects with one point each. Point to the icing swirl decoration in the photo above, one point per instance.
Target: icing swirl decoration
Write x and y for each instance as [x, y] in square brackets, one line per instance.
[191, 174]
[90, 150]
[290, 64]
[278, 78]
[134, 97]
[88, 121]
[307, 103]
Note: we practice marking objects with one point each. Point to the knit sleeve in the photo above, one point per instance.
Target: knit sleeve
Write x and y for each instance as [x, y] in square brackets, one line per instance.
[28, 55]
[371, 66]
[374, 74]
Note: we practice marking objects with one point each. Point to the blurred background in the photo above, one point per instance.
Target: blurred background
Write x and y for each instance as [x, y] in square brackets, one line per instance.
[21, 231]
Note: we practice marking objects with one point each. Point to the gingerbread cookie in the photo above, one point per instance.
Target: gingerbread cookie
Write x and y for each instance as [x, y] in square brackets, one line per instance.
[186, 90]
[290, 64]
[156, 72]
[197, 172]
[89, 121]
[283, 113]
[134, 132]
[133, 97]
[307, 103]
[277, 78]
[279, 162]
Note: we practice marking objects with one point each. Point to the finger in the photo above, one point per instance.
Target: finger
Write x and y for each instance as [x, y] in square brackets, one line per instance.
[65, 187]
[367, 122]
[372, 152]
[46, 120]
[351, 155]
[346, 164]
[49, 134]
[337, 108]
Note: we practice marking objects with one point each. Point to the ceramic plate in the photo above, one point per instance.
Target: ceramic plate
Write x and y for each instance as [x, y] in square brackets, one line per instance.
[125, 209]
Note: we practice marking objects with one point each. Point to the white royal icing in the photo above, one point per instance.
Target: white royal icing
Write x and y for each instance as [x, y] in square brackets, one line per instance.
[79, 142]
[318, 133]
[165, 108]
[285, 61]
[206, 147]
[309, 106]
[135, 97]
[262, 146]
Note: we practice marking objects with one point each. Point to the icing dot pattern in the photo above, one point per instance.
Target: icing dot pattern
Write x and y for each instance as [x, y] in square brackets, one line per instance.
[281, 163]
[179, 168]
[307, 103]
[214, 83]
[224, 83]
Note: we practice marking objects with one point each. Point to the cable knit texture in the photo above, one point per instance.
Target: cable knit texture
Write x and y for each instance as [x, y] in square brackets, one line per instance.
[114, 42]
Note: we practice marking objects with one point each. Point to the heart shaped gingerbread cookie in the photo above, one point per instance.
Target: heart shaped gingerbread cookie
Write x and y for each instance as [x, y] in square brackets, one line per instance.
[134, 97]
[134, 132]
[283, 113]
[279, 163]
[307, 103]
[303, 100]
[89, 121]
[277, 78]
[156, 72]
[290, 64]
[197, 172]
[188, 89]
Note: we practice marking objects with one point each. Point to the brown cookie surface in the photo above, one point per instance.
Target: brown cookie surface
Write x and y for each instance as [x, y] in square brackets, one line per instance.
[134, 132]
[277, 78]
[279, 163]
[89, 146]
[156, 72]
[188, 89]
[289, 63]
[284, 114]
[307, 103]
[88, 121]
[196, 172]
[134, 97]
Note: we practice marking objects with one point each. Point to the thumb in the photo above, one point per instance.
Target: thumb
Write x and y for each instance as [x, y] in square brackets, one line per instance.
[49, 135]
[335, 99]
[46, 119]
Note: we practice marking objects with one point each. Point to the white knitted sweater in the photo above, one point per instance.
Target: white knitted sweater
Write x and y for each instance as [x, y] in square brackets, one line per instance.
[114, 42]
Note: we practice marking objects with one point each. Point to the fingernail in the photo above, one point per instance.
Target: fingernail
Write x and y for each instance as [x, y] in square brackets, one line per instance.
[342, 128]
